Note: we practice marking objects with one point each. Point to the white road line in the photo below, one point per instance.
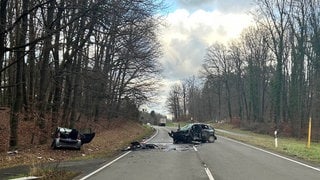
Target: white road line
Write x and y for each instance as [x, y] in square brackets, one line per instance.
[115, 160]
[101, 168]
[155, 134]
[274, 154]
[209, 173]
[195, 149]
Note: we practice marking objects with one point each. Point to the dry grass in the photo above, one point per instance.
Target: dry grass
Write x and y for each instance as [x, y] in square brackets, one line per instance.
[110, 137]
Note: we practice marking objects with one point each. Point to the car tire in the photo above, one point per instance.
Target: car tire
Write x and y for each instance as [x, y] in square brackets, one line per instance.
[211, 139]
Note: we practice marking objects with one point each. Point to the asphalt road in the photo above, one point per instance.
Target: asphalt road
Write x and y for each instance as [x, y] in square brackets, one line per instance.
[223, 160]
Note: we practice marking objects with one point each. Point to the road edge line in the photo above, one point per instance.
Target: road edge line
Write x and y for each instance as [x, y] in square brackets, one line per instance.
[101, 168]
[274, 154]
[115, 160]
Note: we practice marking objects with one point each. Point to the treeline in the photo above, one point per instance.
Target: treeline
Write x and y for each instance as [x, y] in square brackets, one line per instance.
[267, 79]
[62, 60]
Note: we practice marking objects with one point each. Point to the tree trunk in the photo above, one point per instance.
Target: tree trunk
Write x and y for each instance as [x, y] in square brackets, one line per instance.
[44, 76]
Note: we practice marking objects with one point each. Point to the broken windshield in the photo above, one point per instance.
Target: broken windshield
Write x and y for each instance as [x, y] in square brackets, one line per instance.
[186, 127]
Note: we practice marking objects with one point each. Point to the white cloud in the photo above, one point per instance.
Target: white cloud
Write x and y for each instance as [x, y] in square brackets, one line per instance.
[226, 6]
[186, 37]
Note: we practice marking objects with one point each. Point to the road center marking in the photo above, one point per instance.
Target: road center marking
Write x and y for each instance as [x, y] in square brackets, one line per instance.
[209, 174]
[195, 149]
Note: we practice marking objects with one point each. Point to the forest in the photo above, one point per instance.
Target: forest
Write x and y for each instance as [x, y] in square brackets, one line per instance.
[267, 79]
[66, 60]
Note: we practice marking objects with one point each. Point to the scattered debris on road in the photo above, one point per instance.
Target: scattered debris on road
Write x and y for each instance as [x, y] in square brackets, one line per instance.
[135, 145]
[165, 147]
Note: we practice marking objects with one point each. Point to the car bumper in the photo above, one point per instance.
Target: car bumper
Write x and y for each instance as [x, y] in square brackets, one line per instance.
[67, 143]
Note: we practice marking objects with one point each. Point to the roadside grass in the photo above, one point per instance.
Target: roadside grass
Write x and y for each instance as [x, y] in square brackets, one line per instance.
[45, 172]
[117, 147]
[288, 146]
[170, 124]
[55, 173]
[101, 147]
[52, 173]
[176, 124]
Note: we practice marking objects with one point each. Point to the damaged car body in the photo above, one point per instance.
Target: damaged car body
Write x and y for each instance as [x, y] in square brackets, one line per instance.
[194, 132]
[70, 138]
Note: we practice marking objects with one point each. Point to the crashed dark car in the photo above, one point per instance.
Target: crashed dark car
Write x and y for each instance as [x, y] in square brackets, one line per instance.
[70, 138]
[194, 132]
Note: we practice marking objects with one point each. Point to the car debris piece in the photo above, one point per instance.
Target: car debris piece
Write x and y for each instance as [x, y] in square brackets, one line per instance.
[193, 133]
[70, 138]
[12, 152]
[135, 145]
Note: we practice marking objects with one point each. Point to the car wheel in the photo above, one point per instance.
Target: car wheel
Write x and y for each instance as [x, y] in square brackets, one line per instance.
[211, 139]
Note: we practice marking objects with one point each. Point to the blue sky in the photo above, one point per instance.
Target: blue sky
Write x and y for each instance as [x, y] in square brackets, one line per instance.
[191, 26]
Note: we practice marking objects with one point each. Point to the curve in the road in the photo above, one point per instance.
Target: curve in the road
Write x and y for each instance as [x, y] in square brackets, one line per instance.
[118, 158]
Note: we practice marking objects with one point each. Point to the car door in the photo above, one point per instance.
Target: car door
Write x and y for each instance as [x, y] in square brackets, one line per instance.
[87, 137]
[196, 132]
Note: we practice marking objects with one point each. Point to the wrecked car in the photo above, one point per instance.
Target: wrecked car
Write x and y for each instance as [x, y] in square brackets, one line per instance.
[70, 138]
[194, 132]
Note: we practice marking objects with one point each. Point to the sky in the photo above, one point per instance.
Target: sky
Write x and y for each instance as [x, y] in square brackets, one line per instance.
[191, 26]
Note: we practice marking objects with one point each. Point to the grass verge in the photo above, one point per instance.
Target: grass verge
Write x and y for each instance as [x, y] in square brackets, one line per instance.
[101, 147]
[287, 146]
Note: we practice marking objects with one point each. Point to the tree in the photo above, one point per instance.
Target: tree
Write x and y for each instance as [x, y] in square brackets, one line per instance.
[256, 57]
[62, 60]
[274, 16]
[218, 62]
[297, 86]
[174, 101]
[313, 74]
[19, 58]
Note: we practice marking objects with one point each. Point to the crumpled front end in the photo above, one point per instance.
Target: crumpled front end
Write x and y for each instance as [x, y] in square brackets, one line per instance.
[178, 137]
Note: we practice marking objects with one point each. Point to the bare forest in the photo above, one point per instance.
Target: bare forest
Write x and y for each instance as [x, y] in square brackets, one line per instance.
[267, 79]
[66, 60]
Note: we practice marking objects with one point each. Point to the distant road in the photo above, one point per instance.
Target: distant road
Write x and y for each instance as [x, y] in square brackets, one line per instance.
[223, 160]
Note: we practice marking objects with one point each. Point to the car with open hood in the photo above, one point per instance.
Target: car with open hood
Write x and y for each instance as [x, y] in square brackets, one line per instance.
[194, 132]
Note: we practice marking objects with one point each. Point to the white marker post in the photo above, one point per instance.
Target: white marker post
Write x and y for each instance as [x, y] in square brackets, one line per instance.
[276, 138]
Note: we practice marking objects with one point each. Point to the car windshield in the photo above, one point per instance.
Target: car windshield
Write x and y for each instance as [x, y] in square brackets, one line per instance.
[186, 127]
[204, 126]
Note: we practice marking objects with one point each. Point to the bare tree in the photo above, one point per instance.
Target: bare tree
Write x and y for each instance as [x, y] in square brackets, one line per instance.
[218, 62]
[174, 101]
[313, 74]
[63, 59]
[275, 16]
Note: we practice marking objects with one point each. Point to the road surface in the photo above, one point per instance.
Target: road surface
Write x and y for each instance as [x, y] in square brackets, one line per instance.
[223, 160]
